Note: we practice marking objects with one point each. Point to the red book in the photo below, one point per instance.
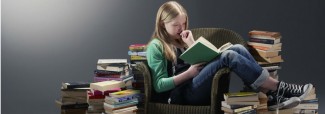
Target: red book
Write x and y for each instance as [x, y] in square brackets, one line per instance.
[97, 92]
[137, 47]
[90, 95]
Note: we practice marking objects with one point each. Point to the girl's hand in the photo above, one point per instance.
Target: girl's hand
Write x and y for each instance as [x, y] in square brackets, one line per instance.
[195, 69]
[187, 37]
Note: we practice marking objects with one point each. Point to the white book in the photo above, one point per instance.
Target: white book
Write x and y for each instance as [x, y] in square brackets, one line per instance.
[110, 61]
[107, 85]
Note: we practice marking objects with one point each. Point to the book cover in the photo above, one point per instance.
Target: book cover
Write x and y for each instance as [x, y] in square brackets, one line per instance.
[107, 85]
[265, 41]
[110, 73]
[136, 57]
[202, 51]
[239, 94]
[131, 103]
[239, 110]
[121, 99]
[128, 110]
[124, 93]
[76, 84]
[110, 61]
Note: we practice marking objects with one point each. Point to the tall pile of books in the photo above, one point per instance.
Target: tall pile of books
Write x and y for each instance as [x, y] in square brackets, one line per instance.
[265, 48]
[73, 98]
[107, 72]
[240, 103]
[137, 53]
[112, 105]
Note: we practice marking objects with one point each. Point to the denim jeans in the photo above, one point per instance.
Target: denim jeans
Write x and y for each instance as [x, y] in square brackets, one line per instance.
[239, 60]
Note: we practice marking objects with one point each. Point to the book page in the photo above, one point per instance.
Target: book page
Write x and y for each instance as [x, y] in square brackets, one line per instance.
[224, 47]
[207, 43]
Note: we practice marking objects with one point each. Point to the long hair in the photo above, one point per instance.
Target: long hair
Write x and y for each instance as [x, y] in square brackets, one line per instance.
[166, 13]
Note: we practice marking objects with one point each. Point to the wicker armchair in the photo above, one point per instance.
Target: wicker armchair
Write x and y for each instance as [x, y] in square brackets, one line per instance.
[220, 84]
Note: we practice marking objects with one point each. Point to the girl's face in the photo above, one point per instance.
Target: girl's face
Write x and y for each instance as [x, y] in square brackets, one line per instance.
[176, 26]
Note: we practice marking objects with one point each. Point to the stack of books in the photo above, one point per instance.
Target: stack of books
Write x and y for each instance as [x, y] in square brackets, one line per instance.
[262, 107]
[137, 52]
[240, 103]
[113, 69]
[265, 48]
[122, 102]
[95, 102]
[73, 98]
[97, 93]
[309, 105]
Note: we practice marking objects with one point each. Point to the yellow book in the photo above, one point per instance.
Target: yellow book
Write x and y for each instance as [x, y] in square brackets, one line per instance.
[124, 93]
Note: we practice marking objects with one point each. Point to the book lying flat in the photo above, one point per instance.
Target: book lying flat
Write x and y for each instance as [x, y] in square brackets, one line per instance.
[203, 51]
[107, 85]
[76, 84]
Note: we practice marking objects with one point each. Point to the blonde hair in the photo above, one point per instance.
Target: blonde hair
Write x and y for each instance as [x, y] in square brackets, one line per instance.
[166, 13]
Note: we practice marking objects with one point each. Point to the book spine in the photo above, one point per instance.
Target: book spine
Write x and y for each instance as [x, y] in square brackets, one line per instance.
[265, 41]
[73, 86]
[100, 79]
[121, 99]
[105, 72]
[75, 106]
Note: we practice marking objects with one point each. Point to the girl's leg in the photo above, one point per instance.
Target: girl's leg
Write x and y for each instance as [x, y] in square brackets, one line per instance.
[240, 49]
[249, 71]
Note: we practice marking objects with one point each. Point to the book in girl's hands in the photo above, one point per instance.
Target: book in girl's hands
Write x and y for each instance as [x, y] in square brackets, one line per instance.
[203, 51]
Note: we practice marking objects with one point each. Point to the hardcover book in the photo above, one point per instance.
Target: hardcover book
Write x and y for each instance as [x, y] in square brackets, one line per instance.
[203, 51]
[73, 85]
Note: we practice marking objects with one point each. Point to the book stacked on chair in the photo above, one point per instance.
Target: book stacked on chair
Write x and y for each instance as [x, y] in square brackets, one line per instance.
[240, 103]
[265, 47]
[73, 97]
[137, 53]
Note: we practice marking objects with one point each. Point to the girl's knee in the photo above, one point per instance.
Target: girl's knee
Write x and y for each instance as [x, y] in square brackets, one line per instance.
[238, 46]
[229, 54]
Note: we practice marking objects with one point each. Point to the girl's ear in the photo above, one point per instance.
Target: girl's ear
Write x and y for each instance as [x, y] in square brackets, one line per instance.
[162, 24]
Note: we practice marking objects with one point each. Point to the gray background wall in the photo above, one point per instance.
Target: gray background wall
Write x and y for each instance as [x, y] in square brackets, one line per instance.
[46, 42]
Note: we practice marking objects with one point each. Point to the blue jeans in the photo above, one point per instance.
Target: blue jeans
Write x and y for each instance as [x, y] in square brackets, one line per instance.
[239, 60]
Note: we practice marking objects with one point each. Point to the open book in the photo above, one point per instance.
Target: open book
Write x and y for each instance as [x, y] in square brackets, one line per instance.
[202, 51]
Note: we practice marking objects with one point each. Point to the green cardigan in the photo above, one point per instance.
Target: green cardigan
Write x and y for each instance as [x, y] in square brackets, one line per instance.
[158, 67]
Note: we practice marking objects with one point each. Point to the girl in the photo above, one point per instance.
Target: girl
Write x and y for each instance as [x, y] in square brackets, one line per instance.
[191, 84]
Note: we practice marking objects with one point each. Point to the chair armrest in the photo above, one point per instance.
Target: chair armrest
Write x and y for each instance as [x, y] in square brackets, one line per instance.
[222, 79]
